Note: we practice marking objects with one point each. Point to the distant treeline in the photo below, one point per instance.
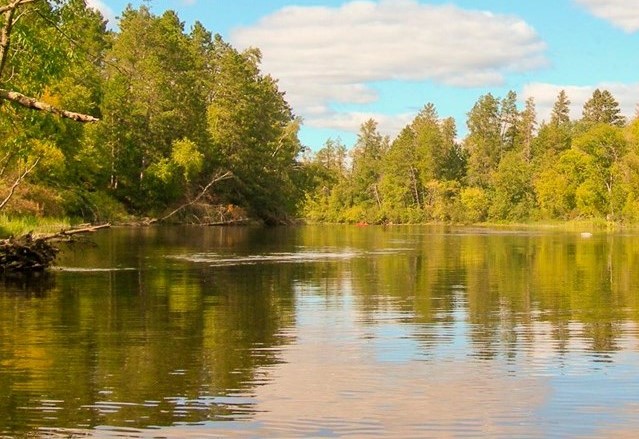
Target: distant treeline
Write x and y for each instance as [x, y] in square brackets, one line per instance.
[508, 168]
[178, 110]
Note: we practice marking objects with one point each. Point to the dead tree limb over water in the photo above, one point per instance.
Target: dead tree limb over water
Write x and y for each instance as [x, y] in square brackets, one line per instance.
[33, 253]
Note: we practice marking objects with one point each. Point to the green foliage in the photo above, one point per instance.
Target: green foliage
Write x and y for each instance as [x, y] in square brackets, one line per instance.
[185, 155]
[23, 224]
[441, 197]
[507, 169]
[179, 107]
[367, 161]
[474, 202]
[97, 207]
[590, 200]
[603, 108]
[513, 196]
[176, 109]
[630, 211]
[484, 140]
[606, 145]
[561, 110]
[551, 193]
[253, 133]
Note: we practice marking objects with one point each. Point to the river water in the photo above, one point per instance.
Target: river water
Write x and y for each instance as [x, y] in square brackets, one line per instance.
[326, 331]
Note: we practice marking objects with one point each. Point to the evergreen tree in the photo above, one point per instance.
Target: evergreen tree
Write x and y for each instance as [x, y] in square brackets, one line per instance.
[454, 161]
[254, 133]
[561, 110]
[367, 159]
[483, 142]
[527, 129]
[555, 137]
[401, 184]
[603, 108]
[509, 117]
[429, 143]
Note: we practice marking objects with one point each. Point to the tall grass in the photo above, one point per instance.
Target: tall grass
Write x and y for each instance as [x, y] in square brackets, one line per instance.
[20, 225]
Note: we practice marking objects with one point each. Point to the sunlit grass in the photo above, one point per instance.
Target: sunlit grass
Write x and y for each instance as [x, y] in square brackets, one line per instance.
[16, 226]
[581, 225]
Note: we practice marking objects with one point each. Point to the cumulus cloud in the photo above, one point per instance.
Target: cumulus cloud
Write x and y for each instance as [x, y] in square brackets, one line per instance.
[351, 121]
[621, 13]
[323, 55]
[106, 12]
[546, 94]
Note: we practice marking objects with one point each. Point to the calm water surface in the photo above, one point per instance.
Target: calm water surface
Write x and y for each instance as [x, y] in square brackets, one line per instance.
[326, 332]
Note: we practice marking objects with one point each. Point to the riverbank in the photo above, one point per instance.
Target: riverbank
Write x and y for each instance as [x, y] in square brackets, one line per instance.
[582, 225]
[21, 225]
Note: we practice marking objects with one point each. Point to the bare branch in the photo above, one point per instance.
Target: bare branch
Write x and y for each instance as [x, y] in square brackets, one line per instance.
[217, 178]
[17, 182]
[34, 104]
[66, 234]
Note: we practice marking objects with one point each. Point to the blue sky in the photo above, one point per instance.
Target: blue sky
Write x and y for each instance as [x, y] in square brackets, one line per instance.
[342, 62]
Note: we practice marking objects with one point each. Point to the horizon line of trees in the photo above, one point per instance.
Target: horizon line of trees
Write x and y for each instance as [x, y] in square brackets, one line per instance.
[181, 118]
[508, 168]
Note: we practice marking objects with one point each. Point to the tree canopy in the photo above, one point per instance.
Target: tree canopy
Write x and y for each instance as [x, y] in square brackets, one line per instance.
[177, 109]
[180, 121]
[508, 168]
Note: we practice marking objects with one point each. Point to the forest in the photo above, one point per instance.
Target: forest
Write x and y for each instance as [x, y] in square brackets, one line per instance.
[154, 120]
[110, 125]
[509, 168]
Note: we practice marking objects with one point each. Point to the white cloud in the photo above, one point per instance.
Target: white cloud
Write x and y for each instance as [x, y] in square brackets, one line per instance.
[323, 55]
[106, 12]
[621, 13]
[389, 125]
[546, 94]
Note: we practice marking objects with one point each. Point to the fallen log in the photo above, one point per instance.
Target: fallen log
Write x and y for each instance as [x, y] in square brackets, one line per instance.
[227, 223]
[64, 235]
[34, 253]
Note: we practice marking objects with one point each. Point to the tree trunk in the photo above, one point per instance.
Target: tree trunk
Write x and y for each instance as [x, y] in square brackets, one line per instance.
[415, 188]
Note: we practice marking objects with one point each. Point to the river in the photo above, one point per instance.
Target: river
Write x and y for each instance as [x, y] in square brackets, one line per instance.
[326, 331]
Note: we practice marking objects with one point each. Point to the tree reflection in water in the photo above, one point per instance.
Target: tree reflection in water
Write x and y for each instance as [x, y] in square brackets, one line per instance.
[150, 329]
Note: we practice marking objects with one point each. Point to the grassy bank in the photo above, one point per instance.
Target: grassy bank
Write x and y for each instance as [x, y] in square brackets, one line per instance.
[582, 225]
[20, 225]
[17, 226]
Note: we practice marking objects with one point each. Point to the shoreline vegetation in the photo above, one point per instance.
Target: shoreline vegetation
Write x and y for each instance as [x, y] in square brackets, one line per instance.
[18, 227]
[28, 245]
[155, 122]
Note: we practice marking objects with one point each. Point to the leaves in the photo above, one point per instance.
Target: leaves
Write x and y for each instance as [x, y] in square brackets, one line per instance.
[506, 169]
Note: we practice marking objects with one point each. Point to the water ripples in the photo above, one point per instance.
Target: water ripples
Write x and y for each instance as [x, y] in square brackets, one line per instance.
[301, 256]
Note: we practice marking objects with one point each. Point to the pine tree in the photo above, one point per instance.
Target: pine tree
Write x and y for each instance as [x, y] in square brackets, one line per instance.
[561, 110]
[602, 107]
